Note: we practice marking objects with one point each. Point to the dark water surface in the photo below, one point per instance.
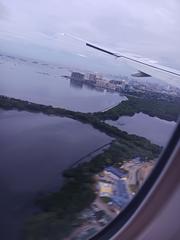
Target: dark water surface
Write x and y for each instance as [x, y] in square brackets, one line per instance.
[35, 149]
[158, 131]
[44, 84]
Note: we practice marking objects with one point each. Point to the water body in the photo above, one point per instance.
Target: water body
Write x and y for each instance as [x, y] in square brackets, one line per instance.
[158, 131]
[43, 83]
[35, 149]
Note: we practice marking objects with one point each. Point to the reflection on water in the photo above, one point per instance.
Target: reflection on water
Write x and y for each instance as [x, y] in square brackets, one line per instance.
[76, 84]
[35, 149]
[43, 83]
[156, 130]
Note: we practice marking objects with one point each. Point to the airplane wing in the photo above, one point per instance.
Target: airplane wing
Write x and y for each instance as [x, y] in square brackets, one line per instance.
[146, 68]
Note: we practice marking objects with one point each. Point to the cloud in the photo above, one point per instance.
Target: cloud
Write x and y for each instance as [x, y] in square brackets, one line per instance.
[3, 11]
[148, 28]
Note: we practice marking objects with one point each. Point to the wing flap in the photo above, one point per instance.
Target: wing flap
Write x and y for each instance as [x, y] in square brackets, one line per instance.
[145, 68]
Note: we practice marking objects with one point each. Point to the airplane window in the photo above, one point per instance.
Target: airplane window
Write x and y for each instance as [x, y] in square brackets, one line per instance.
[82, 126]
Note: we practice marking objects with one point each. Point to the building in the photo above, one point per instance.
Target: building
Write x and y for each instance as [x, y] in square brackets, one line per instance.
[105, 189]
[99, 76]
[92, 77]
[114, 173]
[101, 83]
[111, 86]
[116, 82]
[77, 76]
[121, 196]
[132, 168]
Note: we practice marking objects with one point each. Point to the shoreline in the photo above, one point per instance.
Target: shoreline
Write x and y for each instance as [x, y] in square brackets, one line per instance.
[77, 191]
[92, 119]
[90, 154]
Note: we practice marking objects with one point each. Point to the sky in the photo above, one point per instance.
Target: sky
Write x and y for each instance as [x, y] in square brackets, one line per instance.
[147, 28]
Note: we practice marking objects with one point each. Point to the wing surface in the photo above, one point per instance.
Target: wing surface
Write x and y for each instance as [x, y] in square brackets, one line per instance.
[145, 67]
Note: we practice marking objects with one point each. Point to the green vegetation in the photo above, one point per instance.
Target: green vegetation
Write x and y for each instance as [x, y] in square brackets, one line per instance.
[165, 108]
[106, 199]
[60, 209]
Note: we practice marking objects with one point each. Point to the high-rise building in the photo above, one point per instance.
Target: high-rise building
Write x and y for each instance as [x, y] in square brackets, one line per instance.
[92, 77]
[77, 76]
